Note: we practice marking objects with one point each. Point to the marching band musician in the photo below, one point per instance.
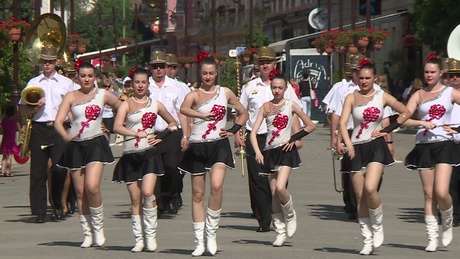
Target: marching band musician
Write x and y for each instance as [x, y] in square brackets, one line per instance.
[140, 165]
[171, 72]
[452, 73]
[43, 115]
[87, 149]
[368, 151]
[253, 95]
[209, 151]
[165, 90]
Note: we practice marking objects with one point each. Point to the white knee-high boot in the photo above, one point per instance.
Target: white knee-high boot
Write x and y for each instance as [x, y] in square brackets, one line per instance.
[280, 229]
[150, 228]
[97, 221]
[85, 221]
[212, 224]
[290, 217]
[138, 234]
[431, 224]
[447, 219]
[366, 233]
[376, 217]
[198, 229]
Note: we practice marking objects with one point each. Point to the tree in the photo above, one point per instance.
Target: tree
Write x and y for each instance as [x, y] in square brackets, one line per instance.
[259, 36]
[433, 22]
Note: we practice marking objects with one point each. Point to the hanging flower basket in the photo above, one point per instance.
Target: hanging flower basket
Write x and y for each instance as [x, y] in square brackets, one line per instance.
[187, 65]
[328, 49]
[14, 29]
[363, 41]
[320, 44]
[378, 45]
[72, 47]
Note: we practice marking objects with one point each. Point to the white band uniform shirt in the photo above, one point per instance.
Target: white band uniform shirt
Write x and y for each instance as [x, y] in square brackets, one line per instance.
[143, 119]
[55, 87]
[455, 121]
[206, 131]
[367, 118]
[329, 98]
[437, 110]
[171, 96]
[254, 94]
[87, 117]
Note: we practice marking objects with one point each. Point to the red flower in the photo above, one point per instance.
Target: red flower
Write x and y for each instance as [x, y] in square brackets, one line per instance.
[148, 121]
[92, 112]
[430, 57]
[202, 56]
[131, 72]
[273, 73]
[78, 64]
[219, 111]
[363, 62]
[370, 114]
[280, 122]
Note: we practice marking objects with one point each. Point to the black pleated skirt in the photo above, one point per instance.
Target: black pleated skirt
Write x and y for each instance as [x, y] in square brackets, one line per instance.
[200, 157]
[427, 155]
[133, 166]
[373, 151]
[78, 154]
[276, 157]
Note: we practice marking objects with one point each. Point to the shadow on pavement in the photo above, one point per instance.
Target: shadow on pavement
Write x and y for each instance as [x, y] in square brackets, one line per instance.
[329, 212]
[236, 215]
[336, 250]
[411, 215]
[405, 246]
[251, 241]
[176, 251]
[239, 227]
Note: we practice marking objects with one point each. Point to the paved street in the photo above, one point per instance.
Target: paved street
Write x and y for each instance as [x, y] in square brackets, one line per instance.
[323, 229]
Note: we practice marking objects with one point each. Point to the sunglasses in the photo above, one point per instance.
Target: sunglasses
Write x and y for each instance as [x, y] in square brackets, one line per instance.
[452, 75]
[172, 67]
[156, 66]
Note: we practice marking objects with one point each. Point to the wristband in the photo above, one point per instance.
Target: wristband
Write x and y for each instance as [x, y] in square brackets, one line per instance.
[298, 136]
[389, 142]
[393, 124]
[234, 129]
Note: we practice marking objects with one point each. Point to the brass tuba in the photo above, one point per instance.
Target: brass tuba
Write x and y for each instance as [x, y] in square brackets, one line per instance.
[48, 29]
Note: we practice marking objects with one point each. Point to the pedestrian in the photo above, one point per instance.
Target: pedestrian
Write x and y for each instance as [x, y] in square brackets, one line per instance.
[253, 95]
[295, 86]
[9, 148]
[43, 113]
[87, 149]
[165, 90]
[305, 88]
[280, 154]
[209, 151]
[368, 150]
[435, 151]
[141, 163]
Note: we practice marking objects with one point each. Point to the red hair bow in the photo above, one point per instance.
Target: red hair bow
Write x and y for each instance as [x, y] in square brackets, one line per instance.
[202, 56]
[363, 62]
[131, 72]
[78, 64]
[273, 73]
[430, 57]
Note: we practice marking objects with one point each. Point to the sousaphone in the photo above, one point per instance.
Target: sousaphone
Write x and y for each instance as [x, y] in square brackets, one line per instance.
[453, 44]
[48, 29]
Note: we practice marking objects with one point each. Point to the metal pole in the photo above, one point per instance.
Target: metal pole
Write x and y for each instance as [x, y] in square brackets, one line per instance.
[353, 15]
[368, 22]
[135, 31]
[62, 9]
[340, 28]
[14, 91]
[251, 22]
[329, 21]
[72, 16]
[214, 17]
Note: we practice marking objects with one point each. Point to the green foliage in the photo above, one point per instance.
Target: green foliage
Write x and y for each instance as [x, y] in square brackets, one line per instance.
[433, 22]
[259, 36]
[228, 76]
[87, 25]
[26, 71]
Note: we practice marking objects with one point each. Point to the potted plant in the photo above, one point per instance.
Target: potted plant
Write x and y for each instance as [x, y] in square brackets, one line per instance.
[362, 36]
[188, 61]
[4, 37]
[342, 42]
[330, 36]
[320, 44]
[14, 28]
[378, 38]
